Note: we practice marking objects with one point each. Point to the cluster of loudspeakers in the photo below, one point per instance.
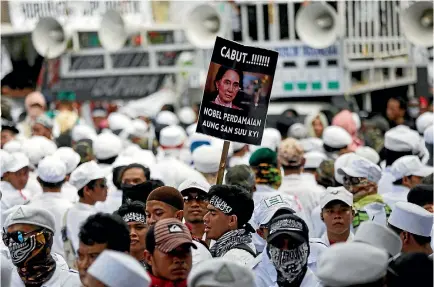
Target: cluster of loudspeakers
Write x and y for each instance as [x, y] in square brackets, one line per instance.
[317, 26]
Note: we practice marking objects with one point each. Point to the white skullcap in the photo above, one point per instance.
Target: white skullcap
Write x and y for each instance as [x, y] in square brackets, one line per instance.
[107, 145]
[145, 158]
[117, 269]
[118, 121]
[428, 134]
[191, 129]
[139, 128]
[166, 118]
[351, 263]
[313, 159]
[271, 139]
[186, 115]
[336, 137]
[362, 168]
[409, 165]
[81, 132]
[122, 160]
[411, 218]
[130, 150]
[206, 159]
[5, 157]
[297, 131]
[236, 146]
[368, 153]
[189, 183]
[220, 272]
[378, 235]
[13, 146]
[14, 162]
[172, 136]
[51, 169]
[423, 121]
[85, 173]
[356, 120]
[343, 161]
[336, 193]
[270, 204]
[70, 158]
[311, 144]
[38, 147]
[402, 139]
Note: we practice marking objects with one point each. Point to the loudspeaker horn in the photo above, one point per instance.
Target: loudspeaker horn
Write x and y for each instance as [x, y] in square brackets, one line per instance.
[50, 38]
[114, 31]
[317, 25]
[417, 23]
[203, 25]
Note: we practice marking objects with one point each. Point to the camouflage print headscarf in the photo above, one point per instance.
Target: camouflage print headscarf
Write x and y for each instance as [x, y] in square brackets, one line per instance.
[325, 174]
[268, 174]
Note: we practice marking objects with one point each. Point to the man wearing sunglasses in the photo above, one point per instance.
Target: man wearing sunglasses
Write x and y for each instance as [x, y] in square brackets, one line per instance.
[360, 177]
[195, 205]
[29, 237]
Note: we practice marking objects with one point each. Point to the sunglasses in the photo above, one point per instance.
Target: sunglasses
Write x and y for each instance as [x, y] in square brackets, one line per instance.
[199, 197]
[348, 180]
[17, 236]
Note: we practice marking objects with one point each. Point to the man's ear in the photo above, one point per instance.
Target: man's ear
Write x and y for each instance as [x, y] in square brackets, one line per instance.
[261, 233]
[233, 221]
[148, 257]
[405, 237]
[322, 217]
[179, 215]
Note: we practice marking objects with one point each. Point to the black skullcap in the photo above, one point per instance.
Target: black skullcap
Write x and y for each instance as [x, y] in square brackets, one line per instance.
[168, 195]
[232, 200]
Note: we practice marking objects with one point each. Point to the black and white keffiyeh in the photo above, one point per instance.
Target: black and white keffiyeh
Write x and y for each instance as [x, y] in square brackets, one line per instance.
[229, 240]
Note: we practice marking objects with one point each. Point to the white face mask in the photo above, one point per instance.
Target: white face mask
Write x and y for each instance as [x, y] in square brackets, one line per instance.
[289, 263]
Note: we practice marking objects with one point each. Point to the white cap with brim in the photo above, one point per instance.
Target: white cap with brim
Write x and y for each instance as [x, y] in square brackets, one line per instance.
[172, 136]
[117, 269]
[401, 139]
[70, 158]
[118, 121]
[378, 235]
[362, 168]
[51, 169]
[27, 214]
[409, 165]
[269, 205]
[351, 263]
[220, 272]
[423, 121]
[411, 218]
[368, 153]
[85, 173]
[343, 161]
[428, 134]
[18, 160]
[336, 193]
[191, 184]
[336, 137]
[107, 145]
[313, 159]
[206, 158]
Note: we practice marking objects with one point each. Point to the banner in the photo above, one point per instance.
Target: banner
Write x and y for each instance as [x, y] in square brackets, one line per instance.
[237, 92]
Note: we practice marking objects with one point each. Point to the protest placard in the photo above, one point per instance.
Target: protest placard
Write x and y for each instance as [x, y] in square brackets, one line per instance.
[237, 92]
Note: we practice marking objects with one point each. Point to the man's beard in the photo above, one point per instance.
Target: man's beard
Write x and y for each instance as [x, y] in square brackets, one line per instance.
[196, 221]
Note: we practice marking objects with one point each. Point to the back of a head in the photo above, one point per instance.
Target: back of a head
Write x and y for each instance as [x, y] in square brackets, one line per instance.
[241, 175]
[106, 228]
[141, 191]
[421, 194]
[168, 195]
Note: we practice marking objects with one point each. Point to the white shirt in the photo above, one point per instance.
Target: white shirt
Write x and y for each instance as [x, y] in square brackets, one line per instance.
[317, 247]
[241, 256]
[266, 274]
[239, 160]
[33, 187]
[75, 217]
[398, 193]
[55, 203]
[69, 192]
[200, 254]
[325, 239]
[62, 277]
[305, 191]
[112, 202]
